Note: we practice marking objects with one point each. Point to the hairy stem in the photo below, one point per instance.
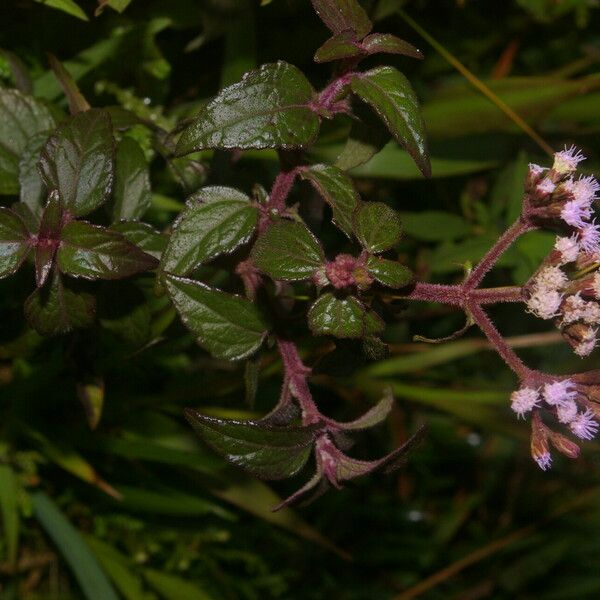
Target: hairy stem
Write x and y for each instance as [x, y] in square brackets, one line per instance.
[517, 229]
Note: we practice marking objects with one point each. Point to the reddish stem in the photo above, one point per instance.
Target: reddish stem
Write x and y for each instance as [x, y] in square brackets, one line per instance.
[276, 202]
[517, 229]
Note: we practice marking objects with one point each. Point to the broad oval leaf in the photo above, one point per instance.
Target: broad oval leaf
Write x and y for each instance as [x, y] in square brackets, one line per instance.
[142, 235]
[288, 251]
[341, 45]
[132, 192]
[14, 242]
[78, 161]
[343, 317]
[32, 190]
[389, 272]
[56, 308]
[337, 190]
[228, 326]
[377, 226]
[268, 108]
[340, 15]
[21, 118]
[390, 94]
[94, 252]
[216, 220]
[265, 451]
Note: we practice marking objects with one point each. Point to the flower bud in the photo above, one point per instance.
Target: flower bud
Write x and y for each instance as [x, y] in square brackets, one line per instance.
[540, 450]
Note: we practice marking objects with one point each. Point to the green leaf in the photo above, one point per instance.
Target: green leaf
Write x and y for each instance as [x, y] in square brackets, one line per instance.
[374, 416]
[268, 108]
[343, 317]
[132, 192]
[78, 161]
[389, 272]
[288, 251]
[390, 44]
[341, 45]
[216, 220]
[87, 571]
[94, 252]
[142, 235]
[390, 94]
[21, 118]
[228, 326]
[14, 242]
[32, 190]
[118, 5]
[340, 15]
[68, 6]
[337, 190]
[265, 451]
[377, 226]
[435, 225]
[56, 309]
[171, 587]
[9, 494]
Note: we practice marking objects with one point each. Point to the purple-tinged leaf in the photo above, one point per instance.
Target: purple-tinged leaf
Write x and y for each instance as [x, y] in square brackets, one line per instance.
[78, 161]
[14, 242]
[389, 44]
[316, 481]
[375, 415]
[21, 118]
[268, 108]
[216, 220]
[388, 272]
[341, 45]
[390, 94]
[341, 15]
[343, 317]
[337, 190]
[288, 251]
[132, 194]
[94, 252]
[265, 451]
[48, 238]
[56, 309]
[228, 326]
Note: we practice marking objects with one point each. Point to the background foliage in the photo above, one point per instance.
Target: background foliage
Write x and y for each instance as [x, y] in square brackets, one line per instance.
[103, 488]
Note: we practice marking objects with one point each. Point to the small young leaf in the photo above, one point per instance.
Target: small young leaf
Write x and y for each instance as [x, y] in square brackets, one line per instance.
[390, 44]
[14, 242]
[56, 309]
[21, 118]
[390, 94]
[288, 251]
[341, 45]
[375, 415]
[337, 190]
[343, 317]
[265, 451]
[142, 235]
[340, 15]
[389, 272]
[68, 6]
[268, 108]
[94, 252]
[216, 220]
[47, 239]
[228, 326]
[377, 226]
[132, 182]
[78, 161]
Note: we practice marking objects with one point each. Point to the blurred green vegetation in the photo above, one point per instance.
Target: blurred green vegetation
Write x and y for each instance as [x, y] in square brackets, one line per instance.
[137, 508]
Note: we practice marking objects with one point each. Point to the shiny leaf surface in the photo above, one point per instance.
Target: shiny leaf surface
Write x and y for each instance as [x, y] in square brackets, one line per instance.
[264, 451]
[288, 251]
[14, 245]
[228, 326]
[377, 226]
[216, 220]
[340, 15]
[389, 272]
[268, 108]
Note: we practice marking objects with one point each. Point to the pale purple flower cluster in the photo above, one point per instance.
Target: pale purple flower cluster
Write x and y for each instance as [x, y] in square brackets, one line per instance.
[569, 405]
[556, 291]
